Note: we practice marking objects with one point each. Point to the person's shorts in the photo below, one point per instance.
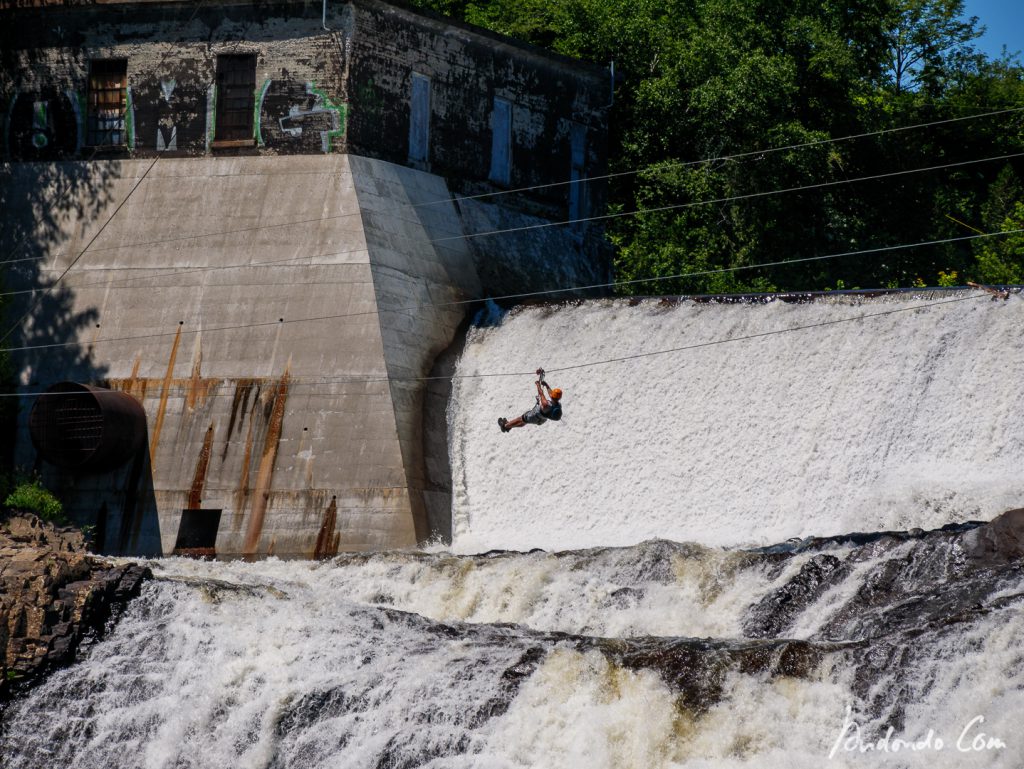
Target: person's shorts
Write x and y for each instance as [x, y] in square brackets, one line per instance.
[534, 417]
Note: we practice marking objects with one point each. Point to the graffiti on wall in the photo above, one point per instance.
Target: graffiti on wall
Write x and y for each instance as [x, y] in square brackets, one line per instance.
[166, 130]
[298, 116]
[43, 125]
[168, 114]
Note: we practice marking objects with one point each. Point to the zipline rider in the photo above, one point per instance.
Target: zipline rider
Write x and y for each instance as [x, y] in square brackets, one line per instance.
[546, 408]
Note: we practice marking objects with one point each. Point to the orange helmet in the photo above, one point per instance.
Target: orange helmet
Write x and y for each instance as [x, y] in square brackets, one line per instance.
[556, 393]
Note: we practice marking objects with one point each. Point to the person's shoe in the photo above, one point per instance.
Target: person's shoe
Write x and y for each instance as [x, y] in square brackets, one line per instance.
[502, 423]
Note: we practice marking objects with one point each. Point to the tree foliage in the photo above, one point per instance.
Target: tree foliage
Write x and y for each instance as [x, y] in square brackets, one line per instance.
[710, 90]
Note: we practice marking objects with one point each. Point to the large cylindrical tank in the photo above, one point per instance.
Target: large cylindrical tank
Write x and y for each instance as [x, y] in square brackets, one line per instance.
[86, 429]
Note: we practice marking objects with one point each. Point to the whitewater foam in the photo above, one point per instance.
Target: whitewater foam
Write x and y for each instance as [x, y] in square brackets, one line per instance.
[910, 419]
[270, 666]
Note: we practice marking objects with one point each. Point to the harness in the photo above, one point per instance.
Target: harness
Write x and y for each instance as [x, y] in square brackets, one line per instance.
[553, 411]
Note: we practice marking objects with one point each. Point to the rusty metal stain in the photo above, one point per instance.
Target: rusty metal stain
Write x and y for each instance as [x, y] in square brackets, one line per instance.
[381, 493]
[130, 384]
[192, 395]
[195, 494]
[261, 491]
[243, 388]
[242, 493]
[164, 392]
[134, 377]
[327, 541]
[204, 388]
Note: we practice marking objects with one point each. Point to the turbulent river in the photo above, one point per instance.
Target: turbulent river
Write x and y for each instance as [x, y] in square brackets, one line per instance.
[697, 595]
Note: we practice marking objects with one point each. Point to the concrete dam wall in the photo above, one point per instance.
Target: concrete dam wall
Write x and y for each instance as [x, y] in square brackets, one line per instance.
[274, 316]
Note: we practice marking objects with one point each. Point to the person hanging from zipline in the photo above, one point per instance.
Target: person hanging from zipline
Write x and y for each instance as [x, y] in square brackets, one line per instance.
[549, 406]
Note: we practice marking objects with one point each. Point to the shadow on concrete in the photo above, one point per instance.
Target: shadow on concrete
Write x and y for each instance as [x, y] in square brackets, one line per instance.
[50, 211]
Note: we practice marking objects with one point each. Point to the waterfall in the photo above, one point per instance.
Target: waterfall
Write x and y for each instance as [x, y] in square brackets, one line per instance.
[908, 419]
[762, 554]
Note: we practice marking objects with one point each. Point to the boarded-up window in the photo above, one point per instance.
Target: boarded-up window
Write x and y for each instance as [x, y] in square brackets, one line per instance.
[107, 102]
[501, 142]
[236, 97]
[197, 533]
[419, 119]
[577, 173]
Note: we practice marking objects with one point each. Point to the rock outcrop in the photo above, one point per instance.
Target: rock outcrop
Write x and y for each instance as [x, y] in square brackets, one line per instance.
[54, 595]
[1000, 542]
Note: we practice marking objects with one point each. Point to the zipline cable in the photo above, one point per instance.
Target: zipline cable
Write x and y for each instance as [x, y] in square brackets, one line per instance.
[672, 165]
[733, 198]
[92, 156]
[357, 379]
[581, 220]
[634, 171]
[747, 337]
[413, 308]
[118, 283]
[35, 302]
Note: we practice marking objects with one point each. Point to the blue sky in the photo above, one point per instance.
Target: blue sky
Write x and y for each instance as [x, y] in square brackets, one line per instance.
[1005, 22]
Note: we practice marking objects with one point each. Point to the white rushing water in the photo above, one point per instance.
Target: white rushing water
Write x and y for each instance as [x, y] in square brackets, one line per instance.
[643, 636]
[910, 419]
[278, 664]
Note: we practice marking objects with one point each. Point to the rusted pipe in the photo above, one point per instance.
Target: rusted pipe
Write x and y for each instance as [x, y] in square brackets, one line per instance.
[85, 428]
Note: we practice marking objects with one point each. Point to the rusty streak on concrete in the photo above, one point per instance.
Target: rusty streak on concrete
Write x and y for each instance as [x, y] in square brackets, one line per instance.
[131, 385]
[261, 492]
[195, 386]
[195, 494]
[164, 392]
[243, 388]
[242, 493]
[327, 541]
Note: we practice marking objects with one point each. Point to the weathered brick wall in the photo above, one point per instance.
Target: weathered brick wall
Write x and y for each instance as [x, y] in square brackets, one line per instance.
[171, 52]
[343, 89]
[466, 72]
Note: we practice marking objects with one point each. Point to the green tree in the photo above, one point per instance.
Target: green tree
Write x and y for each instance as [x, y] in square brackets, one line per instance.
[708, 88]
[926, 38]
[1000, 259]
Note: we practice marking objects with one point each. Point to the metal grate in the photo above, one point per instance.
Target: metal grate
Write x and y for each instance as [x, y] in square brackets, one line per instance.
[236, 97]
[72, 428]
[107, 102]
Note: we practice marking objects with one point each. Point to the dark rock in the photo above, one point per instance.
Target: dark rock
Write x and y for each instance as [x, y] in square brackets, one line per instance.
[55, 596]
[774, 613]
[998, 542]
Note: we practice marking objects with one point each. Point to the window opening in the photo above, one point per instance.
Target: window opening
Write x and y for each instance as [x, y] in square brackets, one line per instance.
[236, 97]
[419, 119]
[577, 173]
[107, 102]
[501, 142]
[197, 533]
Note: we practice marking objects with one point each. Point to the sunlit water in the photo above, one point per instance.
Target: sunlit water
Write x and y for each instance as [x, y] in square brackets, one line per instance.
[605, 650]
[405, 660]
[869, 422]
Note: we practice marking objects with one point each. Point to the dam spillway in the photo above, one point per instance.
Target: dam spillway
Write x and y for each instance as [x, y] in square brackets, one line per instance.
[712, 642]
[777, 420]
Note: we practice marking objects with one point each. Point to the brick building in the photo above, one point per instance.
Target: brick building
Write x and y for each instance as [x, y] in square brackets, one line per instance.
[265, 221]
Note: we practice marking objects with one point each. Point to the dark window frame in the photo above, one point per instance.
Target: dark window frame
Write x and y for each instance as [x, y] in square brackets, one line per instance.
[197, 532]
[501, 142]
[420, 115]
[236, 100]
[107, 103]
